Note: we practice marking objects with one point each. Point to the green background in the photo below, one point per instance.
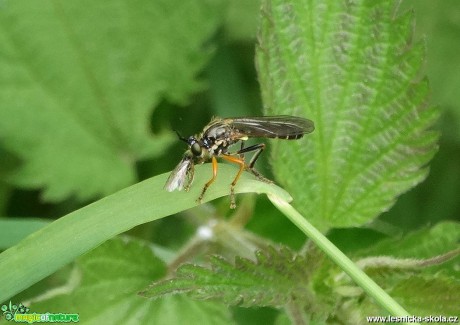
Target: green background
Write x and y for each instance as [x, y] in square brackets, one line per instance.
[216, 78]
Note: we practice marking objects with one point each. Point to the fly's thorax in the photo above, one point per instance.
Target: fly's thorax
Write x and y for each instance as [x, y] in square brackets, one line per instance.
[218, 131]
[218, 137]
[220, 146]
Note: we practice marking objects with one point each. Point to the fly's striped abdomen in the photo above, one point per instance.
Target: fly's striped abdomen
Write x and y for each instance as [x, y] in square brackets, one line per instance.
[292, 137]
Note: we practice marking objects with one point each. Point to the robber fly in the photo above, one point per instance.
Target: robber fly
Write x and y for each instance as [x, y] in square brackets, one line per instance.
[220, 134]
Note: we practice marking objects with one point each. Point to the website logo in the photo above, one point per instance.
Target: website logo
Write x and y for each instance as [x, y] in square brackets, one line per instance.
[20, 314]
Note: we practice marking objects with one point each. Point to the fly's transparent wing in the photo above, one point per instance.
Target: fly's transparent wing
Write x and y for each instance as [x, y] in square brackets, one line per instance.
[181, 176]
[281, 126]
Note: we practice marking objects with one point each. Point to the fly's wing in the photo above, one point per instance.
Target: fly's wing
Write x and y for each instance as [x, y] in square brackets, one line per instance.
[281, 126]
[181, 176]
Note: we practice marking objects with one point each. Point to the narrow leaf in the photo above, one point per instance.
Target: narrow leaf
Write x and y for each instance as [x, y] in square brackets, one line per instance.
[63, 240]
[351, 67]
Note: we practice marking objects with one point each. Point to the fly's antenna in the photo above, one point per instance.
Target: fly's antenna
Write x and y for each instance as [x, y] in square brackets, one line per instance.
[181, 137]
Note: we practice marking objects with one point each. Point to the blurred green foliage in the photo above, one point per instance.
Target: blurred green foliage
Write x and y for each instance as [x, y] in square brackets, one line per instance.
[436, 199]
[213, 74]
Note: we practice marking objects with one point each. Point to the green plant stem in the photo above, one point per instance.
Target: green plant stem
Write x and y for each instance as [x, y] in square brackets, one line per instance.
[356, 274]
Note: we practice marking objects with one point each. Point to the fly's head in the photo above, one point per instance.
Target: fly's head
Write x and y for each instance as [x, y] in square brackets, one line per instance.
[197, 150]
[182, 176]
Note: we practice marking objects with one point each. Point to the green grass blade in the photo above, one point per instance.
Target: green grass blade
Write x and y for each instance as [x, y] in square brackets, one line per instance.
[59, 243]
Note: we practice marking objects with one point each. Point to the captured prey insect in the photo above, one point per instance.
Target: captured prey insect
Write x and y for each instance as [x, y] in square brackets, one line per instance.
[220, 134]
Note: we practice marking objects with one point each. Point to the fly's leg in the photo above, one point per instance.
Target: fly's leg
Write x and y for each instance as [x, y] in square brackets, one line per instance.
[242, 164]
[190, 175]
[258, 148]
[214, 175]
[240, 151]
[240, 161]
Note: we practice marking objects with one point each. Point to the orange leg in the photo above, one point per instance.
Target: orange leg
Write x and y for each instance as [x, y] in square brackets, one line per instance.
[258, 148]
[214, 175]
[242, 164]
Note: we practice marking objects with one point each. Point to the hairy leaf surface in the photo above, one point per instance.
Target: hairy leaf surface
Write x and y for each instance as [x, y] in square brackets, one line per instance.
[353, 68]
[108, 280]
[275, 279]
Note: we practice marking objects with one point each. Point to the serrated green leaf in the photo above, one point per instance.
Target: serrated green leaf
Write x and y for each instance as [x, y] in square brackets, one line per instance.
[423, 243]
[111, 276]
[351, 67]
[79, 82]
[430, 241]
[431, 250]
[440, 26]
[275, 279]
[428, 295]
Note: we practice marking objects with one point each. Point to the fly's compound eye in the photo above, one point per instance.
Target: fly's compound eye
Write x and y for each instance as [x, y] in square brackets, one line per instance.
[196, 149]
